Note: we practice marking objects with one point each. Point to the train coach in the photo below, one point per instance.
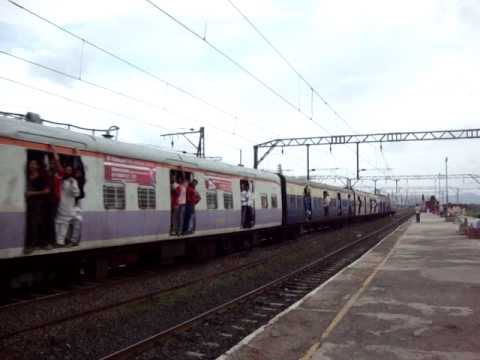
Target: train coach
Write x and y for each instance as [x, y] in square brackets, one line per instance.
[68, 197]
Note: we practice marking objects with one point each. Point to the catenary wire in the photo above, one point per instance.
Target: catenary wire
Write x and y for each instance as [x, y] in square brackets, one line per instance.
[134, 66]
[138, 68]
[294, 69]
[115, 92]
[236, 63]
[85, 104]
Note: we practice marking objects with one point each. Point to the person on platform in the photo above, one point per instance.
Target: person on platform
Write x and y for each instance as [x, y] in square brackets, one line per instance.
[417, 212]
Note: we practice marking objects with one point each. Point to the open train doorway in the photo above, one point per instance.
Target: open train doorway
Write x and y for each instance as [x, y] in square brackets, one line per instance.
[182, 219]
[55, 187]
[247, 197]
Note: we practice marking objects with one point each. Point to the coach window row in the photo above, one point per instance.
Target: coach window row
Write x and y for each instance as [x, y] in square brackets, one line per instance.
[114, 197]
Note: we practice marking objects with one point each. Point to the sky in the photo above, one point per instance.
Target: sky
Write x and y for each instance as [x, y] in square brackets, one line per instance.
[383, 66]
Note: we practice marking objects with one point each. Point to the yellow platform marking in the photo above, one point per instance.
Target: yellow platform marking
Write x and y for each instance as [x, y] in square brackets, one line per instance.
[346, 308]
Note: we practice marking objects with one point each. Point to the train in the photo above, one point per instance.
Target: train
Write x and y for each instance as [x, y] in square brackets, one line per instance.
[126, 208]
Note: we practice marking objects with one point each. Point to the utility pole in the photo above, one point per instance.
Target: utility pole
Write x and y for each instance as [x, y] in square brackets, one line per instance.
[446, 185]
[440, 195]
[308, 163]
[358, 161]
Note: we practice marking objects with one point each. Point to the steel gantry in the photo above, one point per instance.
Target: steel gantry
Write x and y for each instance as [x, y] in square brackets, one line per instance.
[396, 178]
[360, 139]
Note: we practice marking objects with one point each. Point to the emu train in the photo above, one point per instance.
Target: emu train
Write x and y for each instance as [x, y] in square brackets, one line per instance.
[67, 196]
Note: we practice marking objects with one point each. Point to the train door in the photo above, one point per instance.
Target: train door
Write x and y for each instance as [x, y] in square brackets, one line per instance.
[247, 199]
[307, 203]
[55, 187]
[326, 204]
[182, 215]
[339, 204]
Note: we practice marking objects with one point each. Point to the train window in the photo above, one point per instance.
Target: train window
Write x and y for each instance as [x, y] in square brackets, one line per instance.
[114, 196]
[146, 198]
[274, 201]
[227, 200]
[212, 200]
[264, 201]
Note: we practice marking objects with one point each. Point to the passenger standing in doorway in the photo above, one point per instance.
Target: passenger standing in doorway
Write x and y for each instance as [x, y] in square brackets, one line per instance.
[350, 205]
[193, 198]
[182, 202]
[37, 203]
[339, 204]
[244, 199]
[307, 203]
[417, 212]
[76, 222]
[175, 191]
[66, 209]
[326, 203]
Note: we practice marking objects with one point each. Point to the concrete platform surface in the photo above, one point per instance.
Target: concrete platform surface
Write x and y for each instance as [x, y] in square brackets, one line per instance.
[416, 295]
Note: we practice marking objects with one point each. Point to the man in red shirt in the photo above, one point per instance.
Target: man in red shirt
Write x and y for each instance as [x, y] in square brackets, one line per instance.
[193, 198]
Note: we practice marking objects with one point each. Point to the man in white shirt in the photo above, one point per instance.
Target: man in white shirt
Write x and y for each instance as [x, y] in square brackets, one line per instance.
[182, 202]
[66, 208]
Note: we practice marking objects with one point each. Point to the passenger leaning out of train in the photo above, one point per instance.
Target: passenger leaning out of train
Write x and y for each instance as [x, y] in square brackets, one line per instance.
[326, 203]
[349, 201]
[67, 190]
[37, 203]
[193, 198]
[179, 201]
[76, 222]
[245, 201]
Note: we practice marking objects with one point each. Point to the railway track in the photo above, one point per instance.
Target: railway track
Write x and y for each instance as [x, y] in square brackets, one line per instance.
[145, 296]
[211, 333]
[110, 284]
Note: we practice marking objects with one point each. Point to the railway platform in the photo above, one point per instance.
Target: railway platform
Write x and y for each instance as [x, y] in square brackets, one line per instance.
[416, 295]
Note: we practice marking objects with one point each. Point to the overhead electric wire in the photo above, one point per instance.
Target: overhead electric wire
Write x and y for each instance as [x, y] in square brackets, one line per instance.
[289, 64]
[88, 105]
[234, 62]
[115, 92]
[132, 65]
[66, 98]
[293, 68]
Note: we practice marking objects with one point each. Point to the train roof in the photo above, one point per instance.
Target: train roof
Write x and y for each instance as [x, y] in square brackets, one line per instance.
[323, 186]
[303, 182]
[14, 128]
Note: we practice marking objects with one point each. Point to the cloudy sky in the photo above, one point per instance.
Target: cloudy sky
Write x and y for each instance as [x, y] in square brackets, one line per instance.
[382, 65]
